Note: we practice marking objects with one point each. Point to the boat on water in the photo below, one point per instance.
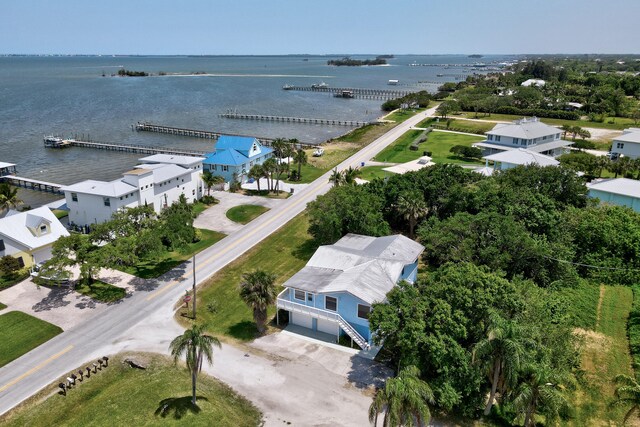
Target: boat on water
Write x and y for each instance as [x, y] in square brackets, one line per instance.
[393, 82]
[320, 85]
[287, 87]
[344, 94]
[439, 75]
[55, 142]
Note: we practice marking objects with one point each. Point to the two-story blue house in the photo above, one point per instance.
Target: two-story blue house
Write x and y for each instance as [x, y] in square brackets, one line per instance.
[236, 155]
[334, 292]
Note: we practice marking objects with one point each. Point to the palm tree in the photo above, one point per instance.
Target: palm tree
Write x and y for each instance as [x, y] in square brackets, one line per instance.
[268, 167]
[602, 162]
[256, 172]
[540, 392]
[627, 393]
[210, 180]
[258, 291]
[300, 158]
[8, 197]
[196, 346]
[636, 166]
[412, 207]
[621, 166]
[350, 175]
[404, 400]
[502, 353]
[336, 178]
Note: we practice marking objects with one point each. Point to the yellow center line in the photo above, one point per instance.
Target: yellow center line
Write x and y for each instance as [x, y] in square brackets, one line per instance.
[34, 369]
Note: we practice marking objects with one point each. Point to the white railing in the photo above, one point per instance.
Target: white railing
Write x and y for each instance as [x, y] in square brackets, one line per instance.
[319, 313]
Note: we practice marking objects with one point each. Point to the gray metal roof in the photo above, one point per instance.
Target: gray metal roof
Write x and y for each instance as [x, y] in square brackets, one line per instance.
[629, 135]
[525, 128]
[523, 156]
[622, 186]
[366, 267]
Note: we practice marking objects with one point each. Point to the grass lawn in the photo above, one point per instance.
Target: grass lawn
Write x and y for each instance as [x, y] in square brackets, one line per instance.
[101, 291]
[370, 173]
[200, 207]
[12, 279]
[59, 213]
[148, 269]
[400, 116]
[468, 126]
[399, 151]
[122, 396]
[438, 143]
[283, 253]
[338, 150]
[2, 306]
[605, 354]
[583, 303]
[20, 333]
[619, 122]
[245, 213]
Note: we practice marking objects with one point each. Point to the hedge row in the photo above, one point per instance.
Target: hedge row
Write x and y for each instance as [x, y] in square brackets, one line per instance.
[633, 328]
[538, 112]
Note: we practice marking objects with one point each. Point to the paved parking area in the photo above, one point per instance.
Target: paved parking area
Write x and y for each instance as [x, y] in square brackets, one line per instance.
[215, 218]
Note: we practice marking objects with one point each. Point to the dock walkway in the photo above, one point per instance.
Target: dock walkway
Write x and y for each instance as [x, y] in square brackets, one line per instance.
[379, 94]
[139, 149]
[33, 184]
[233, 115]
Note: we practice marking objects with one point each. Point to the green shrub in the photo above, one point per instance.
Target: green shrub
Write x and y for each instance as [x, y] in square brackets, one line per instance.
[633, 328]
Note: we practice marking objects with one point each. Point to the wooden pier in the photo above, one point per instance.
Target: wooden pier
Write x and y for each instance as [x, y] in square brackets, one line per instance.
[150, 127]
[232, 115]
[33, 184]
[138, 149]
[379, 94]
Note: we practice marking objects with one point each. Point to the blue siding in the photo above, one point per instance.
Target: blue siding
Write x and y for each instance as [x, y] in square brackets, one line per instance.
[616, 199]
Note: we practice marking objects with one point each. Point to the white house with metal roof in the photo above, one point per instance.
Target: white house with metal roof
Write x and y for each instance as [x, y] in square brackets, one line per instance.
[513, 158]
[627, 144]
[616, 191]
[529, 133]
[159, 182]
[28, 236]
[334, 292]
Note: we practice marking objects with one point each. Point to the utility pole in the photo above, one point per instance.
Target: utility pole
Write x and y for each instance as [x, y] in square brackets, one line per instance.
[193, 263]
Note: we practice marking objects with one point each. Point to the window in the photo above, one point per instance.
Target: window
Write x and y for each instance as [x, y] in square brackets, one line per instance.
[309, 297]
[490, 137]
[193, 192]
[498, 138]
[544, 137]
[298, 295]
[43, 229]
[515, 140]
[106, 201]
[214, 167]
[557, 136]
[1, 245]
[74, 197]
[20, 261]
[363, 311]
[120, 197]
[620, 145]
[225, 168]
[330, 303]
[523, 142]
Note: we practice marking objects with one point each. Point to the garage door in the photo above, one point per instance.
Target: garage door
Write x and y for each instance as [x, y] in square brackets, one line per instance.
[327, 326]
[301, 320]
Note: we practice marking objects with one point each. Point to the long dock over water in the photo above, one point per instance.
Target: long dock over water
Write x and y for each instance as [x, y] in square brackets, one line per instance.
[285, 119]
[171, 130]
[380, 94]
[129, 148]
[33, 184]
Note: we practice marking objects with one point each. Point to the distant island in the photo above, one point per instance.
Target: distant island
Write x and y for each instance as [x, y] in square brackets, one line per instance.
[128, 73]
[380, 60]
[475, 55]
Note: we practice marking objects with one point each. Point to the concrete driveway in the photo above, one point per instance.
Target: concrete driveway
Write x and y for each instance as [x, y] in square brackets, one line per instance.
[215, 218]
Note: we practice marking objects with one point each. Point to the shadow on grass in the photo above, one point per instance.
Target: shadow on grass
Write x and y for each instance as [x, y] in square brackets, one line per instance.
[245, 330]
[179, 406]
[306, 250]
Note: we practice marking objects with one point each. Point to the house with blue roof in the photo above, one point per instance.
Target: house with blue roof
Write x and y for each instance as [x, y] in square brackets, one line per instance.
[236, 155]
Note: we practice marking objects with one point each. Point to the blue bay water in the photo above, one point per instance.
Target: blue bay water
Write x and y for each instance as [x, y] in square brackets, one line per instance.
[69, 96]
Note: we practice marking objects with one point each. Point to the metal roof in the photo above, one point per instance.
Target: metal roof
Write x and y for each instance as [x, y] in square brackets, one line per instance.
[621, 186]
[522, 156]
[115, 188]
[6, 165]
[185, 161]
[364, 266]
[527, 128]
[629, 135]
[240, 143]
[18, 227]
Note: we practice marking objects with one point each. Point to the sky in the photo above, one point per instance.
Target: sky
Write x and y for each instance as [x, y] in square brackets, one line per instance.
[273, 27]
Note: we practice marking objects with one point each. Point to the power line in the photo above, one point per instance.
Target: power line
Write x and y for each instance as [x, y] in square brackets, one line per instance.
[599, 267]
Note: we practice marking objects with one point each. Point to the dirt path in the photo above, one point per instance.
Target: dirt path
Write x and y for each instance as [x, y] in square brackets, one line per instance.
[599, 308]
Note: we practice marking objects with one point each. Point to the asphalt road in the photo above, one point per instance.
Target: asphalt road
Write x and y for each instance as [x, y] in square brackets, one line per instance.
[27, 375]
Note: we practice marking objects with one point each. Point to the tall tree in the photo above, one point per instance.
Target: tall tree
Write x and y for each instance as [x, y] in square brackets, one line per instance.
[73, 250]
[8, 197]
[336, 178]
[177, 224]
[197, 347]
[627, 394]
[209, 180]
[412, 207]
[269, 167]
[539, 392]
[258, 291]
[300, 158]
[350, 174]
[256, 172]
[501, 353]
[404, 400]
